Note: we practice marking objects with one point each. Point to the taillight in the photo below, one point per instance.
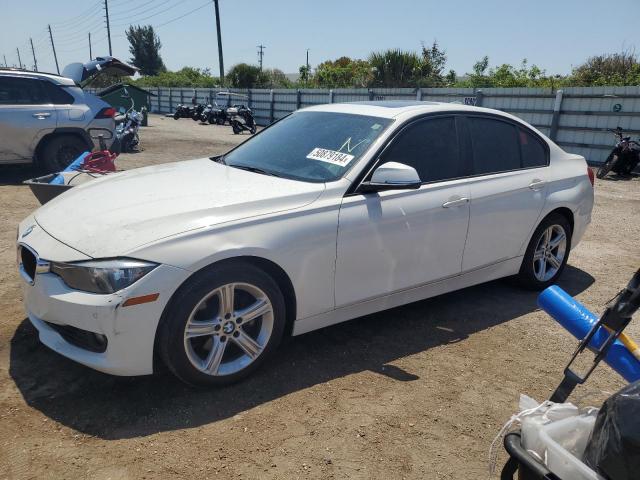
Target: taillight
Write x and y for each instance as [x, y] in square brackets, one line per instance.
[107, 112]
[591, 177]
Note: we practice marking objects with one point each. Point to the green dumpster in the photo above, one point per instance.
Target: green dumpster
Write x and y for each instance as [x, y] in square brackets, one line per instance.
[121, 95]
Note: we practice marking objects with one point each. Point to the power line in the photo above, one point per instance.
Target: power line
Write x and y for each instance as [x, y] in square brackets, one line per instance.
[72, 23]
[182, 16]
[147, 17]
[80, 35]
[126, 15]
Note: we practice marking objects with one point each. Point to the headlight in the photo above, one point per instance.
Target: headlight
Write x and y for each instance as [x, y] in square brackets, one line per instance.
[102, 276]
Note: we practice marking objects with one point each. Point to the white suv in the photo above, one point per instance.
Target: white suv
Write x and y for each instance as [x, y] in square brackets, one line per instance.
[49, 119]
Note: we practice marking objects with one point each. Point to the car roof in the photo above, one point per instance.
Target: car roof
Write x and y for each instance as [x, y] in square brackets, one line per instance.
[15, 72]
[395, 108]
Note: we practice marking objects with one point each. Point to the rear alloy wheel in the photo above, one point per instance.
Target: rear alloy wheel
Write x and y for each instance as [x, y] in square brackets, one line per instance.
[547, 253]
[60, 151]
[223, 325]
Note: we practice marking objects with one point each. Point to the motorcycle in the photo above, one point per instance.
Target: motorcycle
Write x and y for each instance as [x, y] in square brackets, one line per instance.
[241, 119]
[213, 113]
[127, 126]
[197, 112]
[183, 111]
[624, 157]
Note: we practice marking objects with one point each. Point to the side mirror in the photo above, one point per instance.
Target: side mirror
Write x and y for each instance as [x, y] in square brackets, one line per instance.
[392, 176]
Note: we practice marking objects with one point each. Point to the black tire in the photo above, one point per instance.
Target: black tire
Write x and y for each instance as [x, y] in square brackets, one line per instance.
[236, 130]
[607, 166]
[171, 342]
[211, 120]
[60, 151]
[219, 121]
[527, 276]
[176, 116]
[252, 130]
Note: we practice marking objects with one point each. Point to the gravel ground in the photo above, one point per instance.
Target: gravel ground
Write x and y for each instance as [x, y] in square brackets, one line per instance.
[414, 392]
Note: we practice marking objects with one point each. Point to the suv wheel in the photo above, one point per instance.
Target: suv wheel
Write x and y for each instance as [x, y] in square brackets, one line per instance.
[60, 151]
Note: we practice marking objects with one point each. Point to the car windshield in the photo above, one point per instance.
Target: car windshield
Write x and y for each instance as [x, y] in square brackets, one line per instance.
[309, 146]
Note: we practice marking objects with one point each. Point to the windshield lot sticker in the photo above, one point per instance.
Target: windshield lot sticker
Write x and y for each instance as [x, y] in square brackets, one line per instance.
[330, 156]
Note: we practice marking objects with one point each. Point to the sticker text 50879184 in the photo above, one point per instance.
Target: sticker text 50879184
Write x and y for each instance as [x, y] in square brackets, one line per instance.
[330, 156]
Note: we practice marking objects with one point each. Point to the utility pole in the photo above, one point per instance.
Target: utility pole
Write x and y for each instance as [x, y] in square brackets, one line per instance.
[19, 61]
[35, 62]
[5, 60]
[54, 49]
[90, 53]
[261, 54]
[106, 11]
[220, 60]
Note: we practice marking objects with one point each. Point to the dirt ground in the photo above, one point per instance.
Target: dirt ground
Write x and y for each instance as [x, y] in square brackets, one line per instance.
[414, 392]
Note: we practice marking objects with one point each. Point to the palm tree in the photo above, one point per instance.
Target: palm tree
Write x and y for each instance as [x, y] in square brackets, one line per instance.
[395, 68]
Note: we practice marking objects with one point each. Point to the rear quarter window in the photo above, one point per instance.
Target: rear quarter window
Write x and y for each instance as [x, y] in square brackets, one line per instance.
[534, 153]
[57, 94]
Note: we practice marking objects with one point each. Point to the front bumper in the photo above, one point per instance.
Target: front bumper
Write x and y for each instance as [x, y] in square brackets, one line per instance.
[129, 330]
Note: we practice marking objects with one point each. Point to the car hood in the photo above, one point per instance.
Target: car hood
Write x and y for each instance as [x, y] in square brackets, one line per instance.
[114, 215]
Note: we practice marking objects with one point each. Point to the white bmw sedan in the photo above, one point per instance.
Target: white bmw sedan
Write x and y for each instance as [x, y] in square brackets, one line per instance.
[334, 212]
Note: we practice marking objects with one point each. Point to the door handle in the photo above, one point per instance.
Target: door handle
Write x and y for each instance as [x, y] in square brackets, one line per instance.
[41, 115]
[537, 184]
[455, 202]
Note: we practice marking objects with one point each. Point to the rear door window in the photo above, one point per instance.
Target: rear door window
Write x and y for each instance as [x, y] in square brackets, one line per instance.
[494, 144]
[21, 91]
[431, 147]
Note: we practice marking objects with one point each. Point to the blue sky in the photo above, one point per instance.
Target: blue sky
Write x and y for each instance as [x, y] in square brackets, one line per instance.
[555, 35]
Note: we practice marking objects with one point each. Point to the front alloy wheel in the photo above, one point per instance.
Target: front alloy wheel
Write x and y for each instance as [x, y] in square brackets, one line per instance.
[228, 329]
[222, 324]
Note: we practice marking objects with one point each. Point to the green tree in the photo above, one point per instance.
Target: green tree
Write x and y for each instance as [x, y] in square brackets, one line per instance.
[243, 75]
[145, 46]
[434, 59]
[186, 77]
[451, 78]
[343, 73]
[305, 74]
[276, 78]
[395, 68]
[608, 69]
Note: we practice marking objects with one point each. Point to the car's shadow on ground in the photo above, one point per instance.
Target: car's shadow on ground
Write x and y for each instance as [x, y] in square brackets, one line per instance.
[115, 407]
[16, 174]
